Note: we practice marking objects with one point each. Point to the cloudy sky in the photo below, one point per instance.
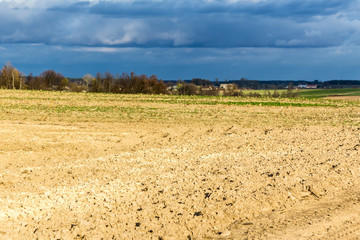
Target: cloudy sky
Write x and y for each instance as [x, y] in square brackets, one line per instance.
[183, 39]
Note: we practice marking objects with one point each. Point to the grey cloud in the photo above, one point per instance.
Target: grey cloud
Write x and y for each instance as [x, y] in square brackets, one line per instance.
[218, 24]
[273, 8]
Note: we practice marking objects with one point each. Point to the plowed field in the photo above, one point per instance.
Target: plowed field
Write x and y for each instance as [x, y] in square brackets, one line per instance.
[103, 166]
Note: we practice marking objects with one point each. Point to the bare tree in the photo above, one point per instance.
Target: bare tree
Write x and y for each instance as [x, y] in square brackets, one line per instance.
[10, 77]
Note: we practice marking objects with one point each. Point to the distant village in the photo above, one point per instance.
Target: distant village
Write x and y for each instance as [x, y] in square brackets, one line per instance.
[247, 84]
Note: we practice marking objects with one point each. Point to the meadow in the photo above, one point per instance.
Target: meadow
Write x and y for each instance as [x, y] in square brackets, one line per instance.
[311, 93]
[122, 166]
[321, 93]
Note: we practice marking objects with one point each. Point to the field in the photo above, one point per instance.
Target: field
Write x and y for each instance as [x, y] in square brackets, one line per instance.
[334, 93]
[104, 166]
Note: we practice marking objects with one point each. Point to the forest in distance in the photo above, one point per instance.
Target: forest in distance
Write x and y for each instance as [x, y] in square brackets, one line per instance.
[49, 80]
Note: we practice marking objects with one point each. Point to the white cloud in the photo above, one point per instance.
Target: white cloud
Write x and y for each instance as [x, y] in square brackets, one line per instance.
[120, 31]
[102, 49]
[178, 37]
[312, 33]
[342, 50]
[33, 4]
[245, 1]
[289, 43]
[43, 4]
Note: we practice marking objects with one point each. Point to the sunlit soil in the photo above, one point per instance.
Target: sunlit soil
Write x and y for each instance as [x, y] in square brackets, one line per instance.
[92, 166]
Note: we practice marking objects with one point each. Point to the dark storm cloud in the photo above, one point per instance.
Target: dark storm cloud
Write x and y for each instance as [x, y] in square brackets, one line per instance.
[302, 8]
[296, 9]
[219, 24]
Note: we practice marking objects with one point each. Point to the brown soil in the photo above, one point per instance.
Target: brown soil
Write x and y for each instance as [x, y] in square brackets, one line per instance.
[257, 177]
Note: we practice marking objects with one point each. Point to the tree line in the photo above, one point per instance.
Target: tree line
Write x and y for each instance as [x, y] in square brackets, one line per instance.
[49, 80]
[124, 83]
